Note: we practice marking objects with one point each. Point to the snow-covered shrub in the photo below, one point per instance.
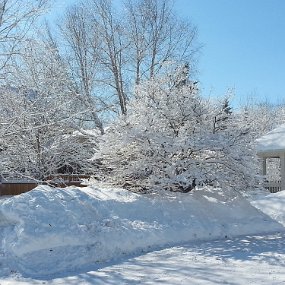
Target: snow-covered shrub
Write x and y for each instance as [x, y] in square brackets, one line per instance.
[37, 138]
[174, 139]
[41, 128]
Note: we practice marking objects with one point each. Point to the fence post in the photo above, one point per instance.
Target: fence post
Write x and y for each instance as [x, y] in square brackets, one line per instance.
[264, 166]
[282, 160]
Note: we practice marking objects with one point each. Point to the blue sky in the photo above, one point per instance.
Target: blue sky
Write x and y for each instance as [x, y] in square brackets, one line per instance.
[243, 46]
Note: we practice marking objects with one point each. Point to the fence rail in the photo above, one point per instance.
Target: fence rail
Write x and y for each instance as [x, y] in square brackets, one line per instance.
[11, 189]
[16, 186]
[273, 186]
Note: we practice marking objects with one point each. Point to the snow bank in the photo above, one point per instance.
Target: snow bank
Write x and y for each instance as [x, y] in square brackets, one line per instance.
[60, 230]
[272, 205]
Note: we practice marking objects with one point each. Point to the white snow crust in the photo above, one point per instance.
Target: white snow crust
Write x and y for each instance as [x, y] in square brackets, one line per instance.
[48, 231]
[272, 141]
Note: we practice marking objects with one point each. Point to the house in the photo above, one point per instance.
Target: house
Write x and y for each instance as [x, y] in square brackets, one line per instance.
[272, 146]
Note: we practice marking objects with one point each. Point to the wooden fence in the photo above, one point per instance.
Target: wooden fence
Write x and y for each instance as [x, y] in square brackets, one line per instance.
[19, 186]
[15, 188]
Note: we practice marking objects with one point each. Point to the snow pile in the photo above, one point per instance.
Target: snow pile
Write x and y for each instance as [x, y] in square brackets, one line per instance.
[272, 141]
[59, 230]
[272, 205]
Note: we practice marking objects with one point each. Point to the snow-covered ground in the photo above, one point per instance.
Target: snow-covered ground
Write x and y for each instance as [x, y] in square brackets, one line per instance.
[244, 260]
[96, 235]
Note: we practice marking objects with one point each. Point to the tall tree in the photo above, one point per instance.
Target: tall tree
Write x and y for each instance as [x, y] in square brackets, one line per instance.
[158, 38]
[113, 48]
[83, 59]
[95, 44]
[16, 20]
[119, 48]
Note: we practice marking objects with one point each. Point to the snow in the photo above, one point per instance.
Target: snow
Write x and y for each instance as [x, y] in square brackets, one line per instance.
[272, 205]
[244, 260]
[98, 235]
[272, 141]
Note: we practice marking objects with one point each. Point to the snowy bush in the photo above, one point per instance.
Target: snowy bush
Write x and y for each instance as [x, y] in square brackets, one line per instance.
[40, 118]
[38, 141]
[174, 139]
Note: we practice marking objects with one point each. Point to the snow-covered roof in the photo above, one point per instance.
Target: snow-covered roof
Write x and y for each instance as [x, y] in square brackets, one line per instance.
[273, 141]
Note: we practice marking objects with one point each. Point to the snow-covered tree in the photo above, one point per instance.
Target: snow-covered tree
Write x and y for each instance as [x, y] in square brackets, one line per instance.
[167, 141]
[156, 36]
[260, 118]
[39, 116]
[16, 20]
[111, 50]
[82, 57]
